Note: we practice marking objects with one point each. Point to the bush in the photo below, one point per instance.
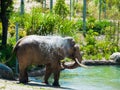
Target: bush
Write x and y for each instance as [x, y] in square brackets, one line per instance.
[98, 49]
[61, 8]
[90, 47]
[92, 23]
[66, 28]
[48, 24]
[100, 26]
[5, 54]
[41, 23]
[79, 25]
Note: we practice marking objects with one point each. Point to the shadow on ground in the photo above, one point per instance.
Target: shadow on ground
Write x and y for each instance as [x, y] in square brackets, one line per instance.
[47, 86]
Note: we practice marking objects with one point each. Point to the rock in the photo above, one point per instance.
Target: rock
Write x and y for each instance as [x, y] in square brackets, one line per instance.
[116, 57]
[35, 73]
[99, 62]
[6, 72]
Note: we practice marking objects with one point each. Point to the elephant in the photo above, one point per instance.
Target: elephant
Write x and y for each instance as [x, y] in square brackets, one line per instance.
[48, 51]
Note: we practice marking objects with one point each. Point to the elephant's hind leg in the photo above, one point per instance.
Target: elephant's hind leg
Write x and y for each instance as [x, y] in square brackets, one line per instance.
[23, 76]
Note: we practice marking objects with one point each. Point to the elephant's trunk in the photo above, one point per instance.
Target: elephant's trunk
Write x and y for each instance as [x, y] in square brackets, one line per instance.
[70, 66]
[77, 59]
[74, 65]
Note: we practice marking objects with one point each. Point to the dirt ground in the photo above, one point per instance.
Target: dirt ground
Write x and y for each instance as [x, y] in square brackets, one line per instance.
[14, 85]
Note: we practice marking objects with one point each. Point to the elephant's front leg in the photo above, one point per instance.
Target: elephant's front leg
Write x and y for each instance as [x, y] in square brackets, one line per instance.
[56, 72]
[47, 73]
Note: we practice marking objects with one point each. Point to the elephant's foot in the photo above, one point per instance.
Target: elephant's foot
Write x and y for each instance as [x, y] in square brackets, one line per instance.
[56, 84]
[24, 81]
[46, 83]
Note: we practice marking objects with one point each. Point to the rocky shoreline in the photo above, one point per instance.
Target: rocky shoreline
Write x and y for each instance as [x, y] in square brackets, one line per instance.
[7, 73]
[41, 72]
[100, 62]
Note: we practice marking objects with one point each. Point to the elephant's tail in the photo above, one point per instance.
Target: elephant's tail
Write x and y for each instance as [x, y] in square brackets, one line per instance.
[15, 48]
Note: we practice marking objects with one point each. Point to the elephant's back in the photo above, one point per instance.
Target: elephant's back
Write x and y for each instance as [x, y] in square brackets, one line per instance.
[38, 46]
[55, 41]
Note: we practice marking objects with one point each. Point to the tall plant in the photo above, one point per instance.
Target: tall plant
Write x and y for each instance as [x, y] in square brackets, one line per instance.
[61, 8]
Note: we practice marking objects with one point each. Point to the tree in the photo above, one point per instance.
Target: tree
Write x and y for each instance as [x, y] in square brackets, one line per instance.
[5, 10]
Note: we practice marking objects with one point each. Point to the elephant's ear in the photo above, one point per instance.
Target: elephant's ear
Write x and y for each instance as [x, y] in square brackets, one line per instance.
[61, 53]
[70, 41]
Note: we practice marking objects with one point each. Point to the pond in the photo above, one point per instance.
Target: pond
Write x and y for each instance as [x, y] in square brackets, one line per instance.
[94, 78]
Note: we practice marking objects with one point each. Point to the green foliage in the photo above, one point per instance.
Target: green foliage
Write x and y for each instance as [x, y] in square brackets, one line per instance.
[5, 54]
[90, 37]
[48, 24]
[92, 23]
[77, 7]
[66, 28]
[79, 25]
[96, 48]
[6, 7]
[101, 25]
[43, 23]
[61, 8]
[90, 47]
[97, 26]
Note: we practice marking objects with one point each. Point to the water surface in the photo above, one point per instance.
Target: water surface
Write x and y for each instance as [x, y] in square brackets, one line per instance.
[94, 78]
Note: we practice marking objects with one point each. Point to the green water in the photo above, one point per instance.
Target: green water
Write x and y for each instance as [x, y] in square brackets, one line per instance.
[94, 78]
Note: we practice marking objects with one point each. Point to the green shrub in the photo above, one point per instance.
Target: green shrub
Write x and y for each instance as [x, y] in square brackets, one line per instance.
[61, 8]
[98, 49]
[92, 23]
[100, 26]
[48, 24]
[5, 54]
[79, 25]
[90, 37]
[66, 28]
[77, 7]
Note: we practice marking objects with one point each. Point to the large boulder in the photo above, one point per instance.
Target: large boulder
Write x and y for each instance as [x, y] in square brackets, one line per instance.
[116, 57]
[6, 72]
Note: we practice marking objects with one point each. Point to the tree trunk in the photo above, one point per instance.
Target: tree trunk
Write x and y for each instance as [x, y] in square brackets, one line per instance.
[4, 20]
[4, 29]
